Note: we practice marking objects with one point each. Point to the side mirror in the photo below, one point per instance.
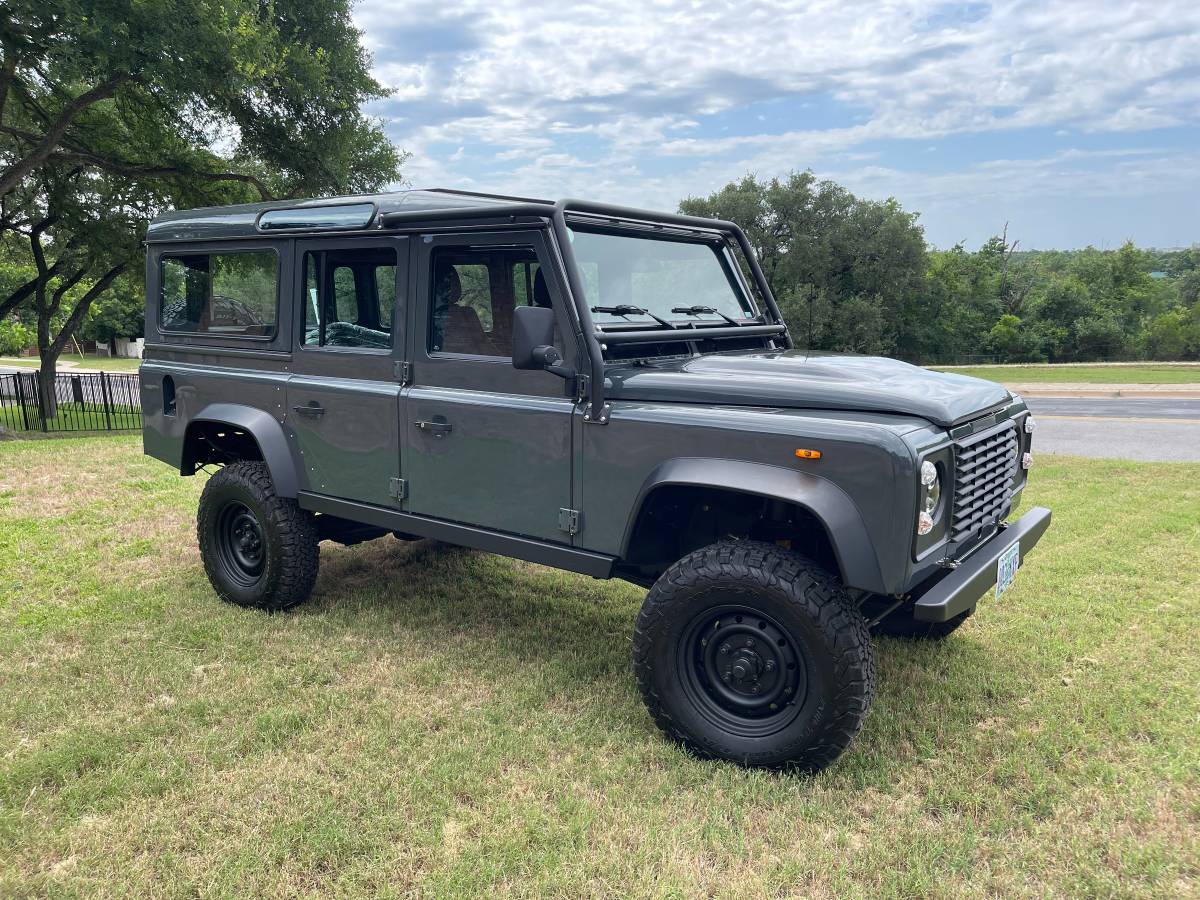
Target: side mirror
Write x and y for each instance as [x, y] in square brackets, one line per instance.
[533, 341]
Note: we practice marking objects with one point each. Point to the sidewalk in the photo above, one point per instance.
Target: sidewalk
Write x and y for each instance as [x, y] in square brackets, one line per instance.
[9, 365]
[1103, 391]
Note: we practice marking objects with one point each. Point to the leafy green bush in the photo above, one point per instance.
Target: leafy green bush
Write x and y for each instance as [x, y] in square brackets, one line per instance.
[15, 337]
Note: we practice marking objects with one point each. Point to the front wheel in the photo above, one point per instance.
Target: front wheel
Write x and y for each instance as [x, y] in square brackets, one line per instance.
[259, 549]
[748, 652]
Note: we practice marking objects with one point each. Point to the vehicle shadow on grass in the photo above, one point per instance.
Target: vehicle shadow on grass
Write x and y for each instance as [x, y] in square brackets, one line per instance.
[512, 615]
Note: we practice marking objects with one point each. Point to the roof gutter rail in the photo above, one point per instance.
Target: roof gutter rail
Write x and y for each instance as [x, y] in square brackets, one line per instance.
[454, 213]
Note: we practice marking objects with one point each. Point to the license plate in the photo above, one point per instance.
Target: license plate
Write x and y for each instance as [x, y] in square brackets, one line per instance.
[1006, 568]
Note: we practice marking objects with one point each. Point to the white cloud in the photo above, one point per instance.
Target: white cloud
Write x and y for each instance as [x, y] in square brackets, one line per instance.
[612, 100]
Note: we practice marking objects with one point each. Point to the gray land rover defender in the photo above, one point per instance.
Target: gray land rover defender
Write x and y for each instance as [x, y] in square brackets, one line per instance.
[605, 390]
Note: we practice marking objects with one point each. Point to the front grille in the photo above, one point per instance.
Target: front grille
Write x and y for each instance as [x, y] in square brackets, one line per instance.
[985, 468]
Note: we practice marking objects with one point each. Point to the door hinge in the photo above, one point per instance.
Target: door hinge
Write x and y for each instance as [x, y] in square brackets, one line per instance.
[398, 489]
[570, 521]
[404, 372]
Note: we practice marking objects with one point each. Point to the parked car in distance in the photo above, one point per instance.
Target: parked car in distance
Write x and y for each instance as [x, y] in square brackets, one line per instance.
[606, 390]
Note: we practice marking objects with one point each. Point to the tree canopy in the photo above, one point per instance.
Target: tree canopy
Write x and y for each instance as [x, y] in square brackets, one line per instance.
[857, 275]
[198, 92]
[841, 268]
[113, 110]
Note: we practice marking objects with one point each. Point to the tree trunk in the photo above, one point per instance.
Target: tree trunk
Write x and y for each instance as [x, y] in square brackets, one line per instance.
[48, 357]
[49, 350]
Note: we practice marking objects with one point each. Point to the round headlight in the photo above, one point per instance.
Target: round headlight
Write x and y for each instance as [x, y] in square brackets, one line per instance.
[931, 485]
[928, 474]
[932, 495]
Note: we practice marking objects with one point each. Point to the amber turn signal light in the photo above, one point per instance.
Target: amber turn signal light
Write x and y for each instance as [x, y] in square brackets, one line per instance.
[809, 454]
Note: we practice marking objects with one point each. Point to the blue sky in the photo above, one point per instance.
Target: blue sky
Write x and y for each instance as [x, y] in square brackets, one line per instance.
[1076, 123]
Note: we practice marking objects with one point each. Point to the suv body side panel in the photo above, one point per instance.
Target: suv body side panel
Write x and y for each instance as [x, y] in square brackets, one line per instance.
[860, 451]
[201, 395]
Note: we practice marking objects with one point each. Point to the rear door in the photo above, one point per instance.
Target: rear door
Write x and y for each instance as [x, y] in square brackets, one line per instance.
[343, 398]
[488, 445]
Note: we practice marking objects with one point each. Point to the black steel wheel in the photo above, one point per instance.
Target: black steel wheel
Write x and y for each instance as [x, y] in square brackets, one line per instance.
[259, 549]
[239, 544]
[748, 652]
[742, 670]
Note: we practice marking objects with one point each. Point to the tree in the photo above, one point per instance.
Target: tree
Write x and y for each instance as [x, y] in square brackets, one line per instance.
[1100, 337]
[89, 228]
[118, 312]
[266, 95]
[110, 112]
[849, 266]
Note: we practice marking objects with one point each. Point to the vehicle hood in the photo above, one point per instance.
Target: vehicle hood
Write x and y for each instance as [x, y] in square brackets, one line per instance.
[798, 380]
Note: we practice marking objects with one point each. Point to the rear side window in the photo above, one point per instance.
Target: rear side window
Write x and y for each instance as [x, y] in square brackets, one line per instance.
[349, 297]
[228, 294]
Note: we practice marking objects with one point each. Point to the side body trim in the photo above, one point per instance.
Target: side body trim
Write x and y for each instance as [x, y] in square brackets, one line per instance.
[560, 557]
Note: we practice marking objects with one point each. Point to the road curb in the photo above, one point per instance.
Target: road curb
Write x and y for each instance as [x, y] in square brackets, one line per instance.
[1108, 392]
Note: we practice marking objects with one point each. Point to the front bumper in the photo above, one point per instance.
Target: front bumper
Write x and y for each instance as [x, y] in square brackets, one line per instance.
[960, 589]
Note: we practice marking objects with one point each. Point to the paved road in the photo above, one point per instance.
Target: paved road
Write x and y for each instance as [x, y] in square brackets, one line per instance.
[1153, 430]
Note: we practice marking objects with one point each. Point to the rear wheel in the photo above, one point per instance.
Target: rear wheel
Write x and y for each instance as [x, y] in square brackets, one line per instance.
[259, 550]
[747, 652]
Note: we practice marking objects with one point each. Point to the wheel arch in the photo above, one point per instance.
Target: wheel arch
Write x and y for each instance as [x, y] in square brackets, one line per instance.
[826, 503]
[262, 429]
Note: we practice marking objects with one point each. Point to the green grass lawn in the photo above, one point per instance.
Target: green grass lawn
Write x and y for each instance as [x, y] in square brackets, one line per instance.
[1147, 374]
[74, 417]
[442, 722]
[104, 363]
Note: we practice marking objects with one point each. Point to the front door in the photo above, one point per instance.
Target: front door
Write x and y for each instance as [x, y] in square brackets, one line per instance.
[343, 399]
[488, 445]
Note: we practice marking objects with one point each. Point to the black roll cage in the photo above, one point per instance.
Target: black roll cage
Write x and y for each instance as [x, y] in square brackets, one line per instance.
[601, 214]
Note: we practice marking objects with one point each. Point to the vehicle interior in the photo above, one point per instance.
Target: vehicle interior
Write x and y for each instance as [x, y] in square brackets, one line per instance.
[474, 294]
[350, 295]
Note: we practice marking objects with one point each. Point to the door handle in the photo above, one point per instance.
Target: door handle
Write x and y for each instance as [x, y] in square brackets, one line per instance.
[313, 409]
[437, 429]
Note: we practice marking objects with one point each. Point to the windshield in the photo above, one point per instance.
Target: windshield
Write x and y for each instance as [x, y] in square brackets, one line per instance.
[678, 281]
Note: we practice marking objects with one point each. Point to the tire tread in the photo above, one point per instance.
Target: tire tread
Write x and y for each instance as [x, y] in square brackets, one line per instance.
[299, 549]
[817, 593]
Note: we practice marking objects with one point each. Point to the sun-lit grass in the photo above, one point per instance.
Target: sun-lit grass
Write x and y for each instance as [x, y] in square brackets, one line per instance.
[1147, 374]
[441, 722]
[72, 416]
[104, 363]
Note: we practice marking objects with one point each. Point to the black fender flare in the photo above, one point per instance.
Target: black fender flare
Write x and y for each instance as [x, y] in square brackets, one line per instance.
[267, 433]
[828, 503]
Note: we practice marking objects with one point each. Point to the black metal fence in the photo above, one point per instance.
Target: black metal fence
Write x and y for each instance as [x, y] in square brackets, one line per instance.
[80, 402]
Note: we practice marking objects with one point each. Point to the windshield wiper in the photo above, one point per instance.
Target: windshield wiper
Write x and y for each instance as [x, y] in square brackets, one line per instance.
[700, 310]
[628, 309]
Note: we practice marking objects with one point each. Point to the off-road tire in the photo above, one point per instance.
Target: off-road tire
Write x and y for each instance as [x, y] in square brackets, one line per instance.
[901, 624]
[241, 498]
[806, 625]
